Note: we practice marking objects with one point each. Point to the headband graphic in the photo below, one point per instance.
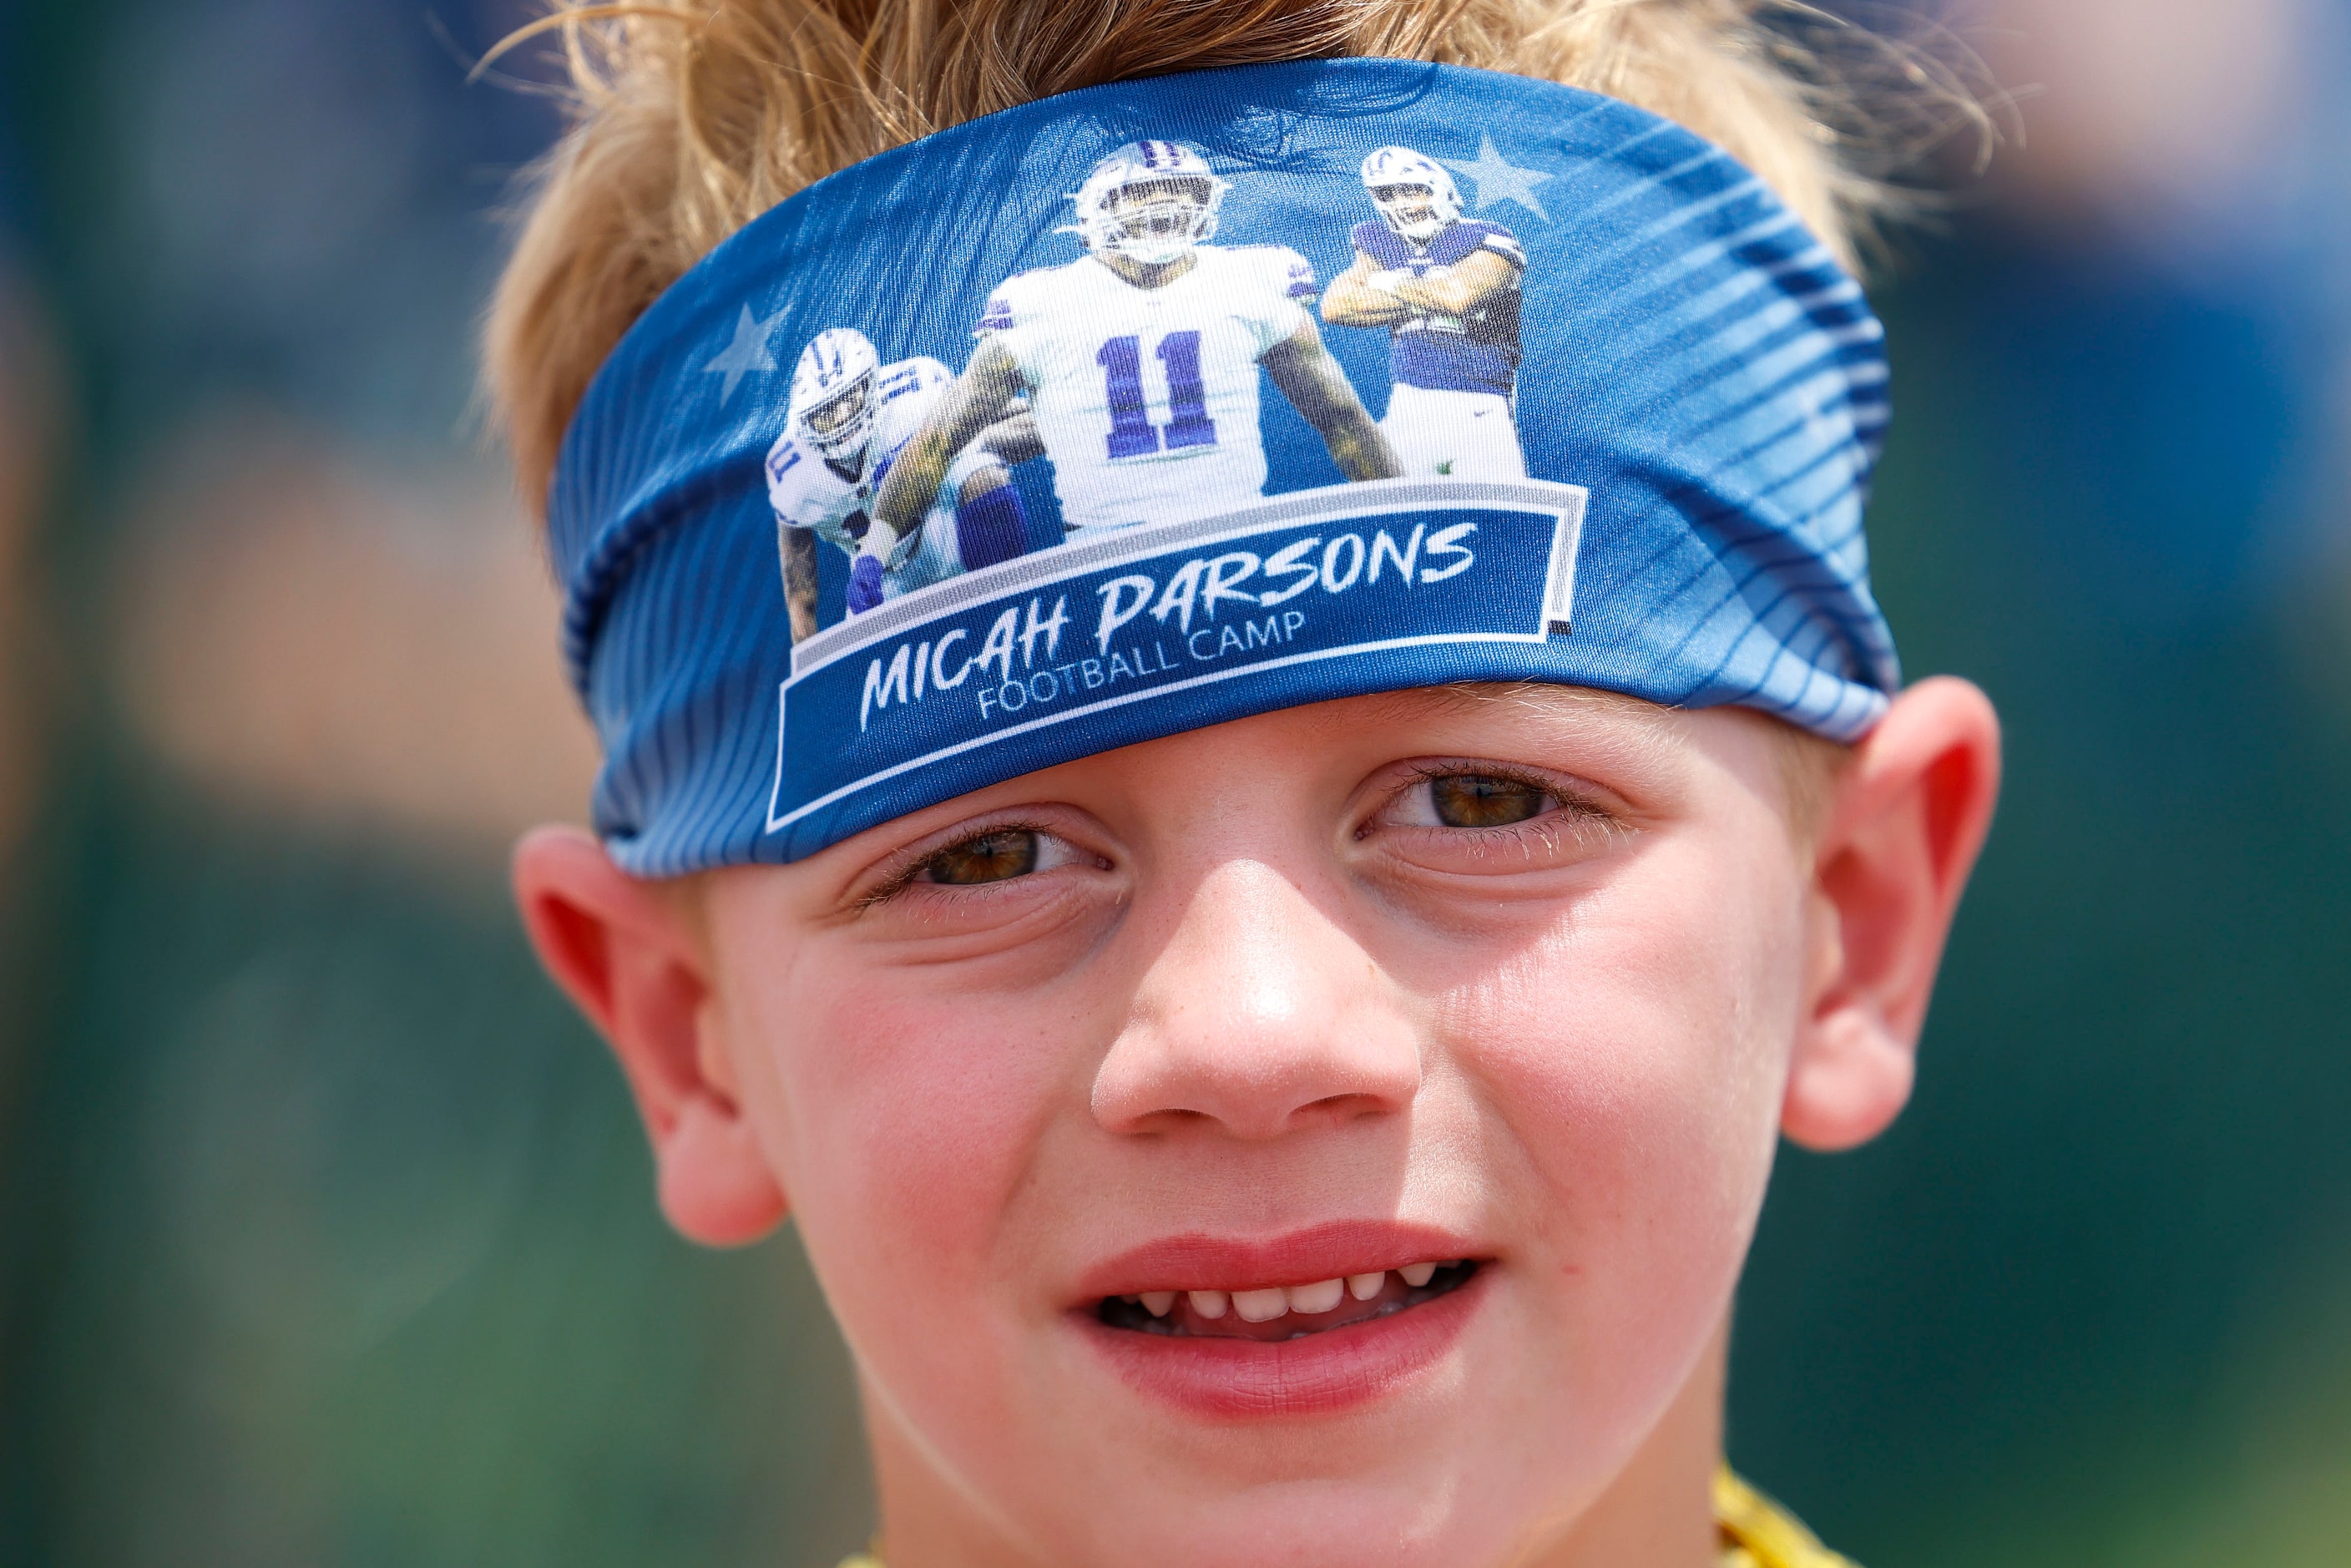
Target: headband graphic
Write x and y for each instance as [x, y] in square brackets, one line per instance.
[1165, 403]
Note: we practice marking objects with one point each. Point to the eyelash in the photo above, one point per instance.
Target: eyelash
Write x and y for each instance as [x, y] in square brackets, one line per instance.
[904, 877]
[1579, 810]
[1583, 812]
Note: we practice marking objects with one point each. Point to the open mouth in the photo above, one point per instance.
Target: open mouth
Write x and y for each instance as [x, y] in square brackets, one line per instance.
[1276, 1312]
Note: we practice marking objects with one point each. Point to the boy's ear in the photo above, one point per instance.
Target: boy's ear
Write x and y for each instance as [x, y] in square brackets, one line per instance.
[627, 954]
[1909, 814]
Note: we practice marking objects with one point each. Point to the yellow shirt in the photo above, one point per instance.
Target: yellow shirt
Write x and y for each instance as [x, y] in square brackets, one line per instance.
[1759, 1533]
[1756, 1533]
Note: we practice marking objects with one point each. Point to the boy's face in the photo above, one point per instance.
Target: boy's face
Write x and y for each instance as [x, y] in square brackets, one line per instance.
[1506, 980]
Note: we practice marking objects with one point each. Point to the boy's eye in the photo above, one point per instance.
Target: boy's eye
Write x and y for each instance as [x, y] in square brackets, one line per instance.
[992, 857]
[1481, 800]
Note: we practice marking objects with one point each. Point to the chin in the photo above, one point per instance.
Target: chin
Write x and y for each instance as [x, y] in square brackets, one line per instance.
[1394, 1518]
[1402, 1448]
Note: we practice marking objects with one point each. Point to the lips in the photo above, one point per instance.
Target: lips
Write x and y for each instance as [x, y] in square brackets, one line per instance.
[1331, 1251]
[1311, 1321]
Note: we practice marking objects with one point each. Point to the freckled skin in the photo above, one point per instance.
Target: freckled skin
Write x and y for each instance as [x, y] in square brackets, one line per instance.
[1251, 1021]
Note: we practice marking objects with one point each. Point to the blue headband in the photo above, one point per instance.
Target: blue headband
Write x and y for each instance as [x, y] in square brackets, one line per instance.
[1165, 403]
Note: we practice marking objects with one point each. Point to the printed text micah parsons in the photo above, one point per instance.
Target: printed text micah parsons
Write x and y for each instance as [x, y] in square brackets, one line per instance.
[1236, 620]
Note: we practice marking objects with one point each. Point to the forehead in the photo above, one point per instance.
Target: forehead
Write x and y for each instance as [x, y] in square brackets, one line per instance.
[1661, 759]
[1547, 708]
[1661, 755]
[1572, 727]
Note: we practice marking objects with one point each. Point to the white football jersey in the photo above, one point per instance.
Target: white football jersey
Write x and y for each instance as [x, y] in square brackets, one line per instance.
[807, 492]
[1146, 399]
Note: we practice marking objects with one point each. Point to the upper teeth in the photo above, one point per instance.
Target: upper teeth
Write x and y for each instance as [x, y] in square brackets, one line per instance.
[1264, 1305]
[1261, 1306]
[1322, 1297]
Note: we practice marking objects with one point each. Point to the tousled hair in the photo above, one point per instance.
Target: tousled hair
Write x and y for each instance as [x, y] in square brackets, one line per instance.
[687, 125]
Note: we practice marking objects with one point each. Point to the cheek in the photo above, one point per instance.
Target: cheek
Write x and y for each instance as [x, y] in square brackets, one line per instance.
[903, 1116]
[1634, 1050]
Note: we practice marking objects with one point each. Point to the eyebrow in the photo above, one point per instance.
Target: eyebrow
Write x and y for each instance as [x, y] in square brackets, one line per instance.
[1539, 699]
[1633, 731]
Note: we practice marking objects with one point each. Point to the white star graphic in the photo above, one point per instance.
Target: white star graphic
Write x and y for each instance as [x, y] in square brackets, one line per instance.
[747, 353]
[1499, 180]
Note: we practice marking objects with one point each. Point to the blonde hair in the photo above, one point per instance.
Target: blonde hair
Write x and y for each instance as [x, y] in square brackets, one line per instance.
[689, 123]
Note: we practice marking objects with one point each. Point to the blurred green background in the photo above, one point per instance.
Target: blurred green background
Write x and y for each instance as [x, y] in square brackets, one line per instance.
[326, 1235]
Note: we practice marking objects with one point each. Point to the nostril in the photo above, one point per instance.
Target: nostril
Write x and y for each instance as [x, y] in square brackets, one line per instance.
[1342, 1108]
[1163, 1119]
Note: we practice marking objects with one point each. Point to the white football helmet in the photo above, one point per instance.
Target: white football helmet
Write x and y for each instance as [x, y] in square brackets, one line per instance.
[1149, 202]
[1416, 196]
[832, 393]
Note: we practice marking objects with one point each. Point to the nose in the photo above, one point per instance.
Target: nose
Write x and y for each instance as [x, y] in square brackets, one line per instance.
[1261, 1015]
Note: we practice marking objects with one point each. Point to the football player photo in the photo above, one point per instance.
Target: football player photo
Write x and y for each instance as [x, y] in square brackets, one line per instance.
[849, 418]
[1140, 360]
[1447, 289]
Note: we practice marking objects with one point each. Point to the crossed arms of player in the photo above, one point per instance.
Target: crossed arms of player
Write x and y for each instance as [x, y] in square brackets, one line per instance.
[1366, 295]
[1300, 365]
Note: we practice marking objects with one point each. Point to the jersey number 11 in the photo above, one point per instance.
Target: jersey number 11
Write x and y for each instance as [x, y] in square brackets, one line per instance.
[1131, 433]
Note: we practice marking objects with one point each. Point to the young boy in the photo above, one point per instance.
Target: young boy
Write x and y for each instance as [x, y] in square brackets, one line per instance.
[1273, 1018]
